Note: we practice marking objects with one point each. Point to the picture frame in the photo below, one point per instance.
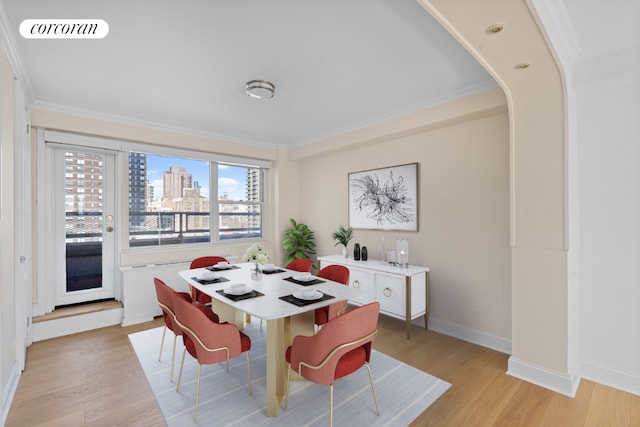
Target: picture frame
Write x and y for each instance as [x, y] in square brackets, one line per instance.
[385, 198]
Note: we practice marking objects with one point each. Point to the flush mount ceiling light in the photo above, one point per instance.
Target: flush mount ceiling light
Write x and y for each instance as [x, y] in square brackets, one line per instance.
[260, 89]
[494, 29]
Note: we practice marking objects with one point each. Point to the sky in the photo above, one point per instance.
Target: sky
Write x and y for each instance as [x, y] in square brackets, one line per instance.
[231, 179]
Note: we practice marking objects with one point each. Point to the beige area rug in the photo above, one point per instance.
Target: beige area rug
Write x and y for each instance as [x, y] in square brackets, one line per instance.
[403, 391]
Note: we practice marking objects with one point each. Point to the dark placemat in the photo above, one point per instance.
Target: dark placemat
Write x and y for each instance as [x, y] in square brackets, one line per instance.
[276, 271]
[211, 281]
[302, 302]
[248, 295]
[309, 283]
[231, 267]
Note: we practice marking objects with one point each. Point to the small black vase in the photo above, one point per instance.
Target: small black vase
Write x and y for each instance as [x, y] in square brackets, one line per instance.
[356, 252]
[364, 254]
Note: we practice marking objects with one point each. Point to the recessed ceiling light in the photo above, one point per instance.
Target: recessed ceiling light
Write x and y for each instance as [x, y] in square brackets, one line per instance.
[260, 89]
[494, 29]
[522, 65]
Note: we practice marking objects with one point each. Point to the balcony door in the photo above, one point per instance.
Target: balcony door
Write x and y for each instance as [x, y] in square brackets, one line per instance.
[84, 225]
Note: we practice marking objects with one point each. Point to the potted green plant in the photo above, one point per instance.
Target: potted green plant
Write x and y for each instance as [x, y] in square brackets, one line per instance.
[342, 236]
[298, 241]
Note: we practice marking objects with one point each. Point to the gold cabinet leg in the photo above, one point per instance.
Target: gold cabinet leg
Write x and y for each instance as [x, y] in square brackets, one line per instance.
[426, 311]
[407, 308]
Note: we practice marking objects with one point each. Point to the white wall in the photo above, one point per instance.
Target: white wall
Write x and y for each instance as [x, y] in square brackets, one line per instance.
[9, 367]
[603, 95]
[463, 218]
[608, 114]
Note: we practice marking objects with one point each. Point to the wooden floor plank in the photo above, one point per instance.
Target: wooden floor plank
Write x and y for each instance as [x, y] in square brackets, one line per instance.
[613, 408]
[569, 412]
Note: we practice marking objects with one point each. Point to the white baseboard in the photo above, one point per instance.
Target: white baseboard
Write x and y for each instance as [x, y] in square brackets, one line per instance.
[624, 381]
[477, 337]
[559, 382]
[74, 324]
[9, 391]
[566, 384]
[135, 318]
[552, 380]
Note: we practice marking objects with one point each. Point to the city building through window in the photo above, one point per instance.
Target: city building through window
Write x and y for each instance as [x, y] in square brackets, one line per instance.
[170, 200]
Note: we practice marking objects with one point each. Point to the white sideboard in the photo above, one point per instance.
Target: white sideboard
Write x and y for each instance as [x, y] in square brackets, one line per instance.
[403, 292]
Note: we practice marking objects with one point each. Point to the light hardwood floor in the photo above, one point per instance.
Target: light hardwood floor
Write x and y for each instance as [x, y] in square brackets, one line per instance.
[94, 378]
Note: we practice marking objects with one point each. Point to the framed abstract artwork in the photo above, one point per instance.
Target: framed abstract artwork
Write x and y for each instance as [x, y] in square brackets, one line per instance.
[384, 199]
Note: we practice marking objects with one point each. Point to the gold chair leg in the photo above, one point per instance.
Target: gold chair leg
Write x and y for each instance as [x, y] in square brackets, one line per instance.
[375, 399]
[195, 414]
[164, 332]
[249, 373]
[184, 353]
[286, 396]
[173, 357]
[331, 405]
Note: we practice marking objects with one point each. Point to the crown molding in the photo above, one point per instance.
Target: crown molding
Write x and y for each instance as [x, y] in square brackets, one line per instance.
[428, 104]
[112, 118]
[432, 102]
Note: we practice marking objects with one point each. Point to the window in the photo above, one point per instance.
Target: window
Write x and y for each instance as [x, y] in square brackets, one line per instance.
[169, 200]
[240, 201]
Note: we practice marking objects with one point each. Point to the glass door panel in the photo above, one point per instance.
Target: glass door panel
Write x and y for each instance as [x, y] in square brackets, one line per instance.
[88, 269]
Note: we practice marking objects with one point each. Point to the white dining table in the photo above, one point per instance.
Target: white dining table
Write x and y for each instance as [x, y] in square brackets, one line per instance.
[284, 319]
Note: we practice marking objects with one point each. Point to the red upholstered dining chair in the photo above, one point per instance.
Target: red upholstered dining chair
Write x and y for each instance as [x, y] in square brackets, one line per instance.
[300, 264]
[342, 346]
[201, 262]
[336, 273]
[208, 341]
[165, 297]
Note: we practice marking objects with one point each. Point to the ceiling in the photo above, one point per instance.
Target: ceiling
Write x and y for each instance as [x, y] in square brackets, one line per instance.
[182, 65]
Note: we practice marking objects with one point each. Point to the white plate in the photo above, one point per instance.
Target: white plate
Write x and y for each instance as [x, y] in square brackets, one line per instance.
[315, 295]
[238, 291]
[301, 278]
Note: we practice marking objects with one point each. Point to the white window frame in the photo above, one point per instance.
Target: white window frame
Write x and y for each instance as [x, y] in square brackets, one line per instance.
[214, 203]
[261, 203]
[128, 146]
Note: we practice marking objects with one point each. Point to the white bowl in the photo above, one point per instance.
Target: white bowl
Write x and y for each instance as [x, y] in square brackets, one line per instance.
[308, 294]
[222, 265]
[303, 277]
[209, 275]
[269, 267]
[237, 289]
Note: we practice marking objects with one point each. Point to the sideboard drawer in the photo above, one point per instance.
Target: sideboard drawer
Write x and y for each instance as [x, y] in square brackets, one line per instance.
[360, 280]
[390, 291]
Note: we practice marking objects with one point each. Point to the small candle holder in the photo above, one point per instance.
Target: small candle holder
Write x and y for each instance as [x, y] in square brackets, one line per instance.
[402, 252]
